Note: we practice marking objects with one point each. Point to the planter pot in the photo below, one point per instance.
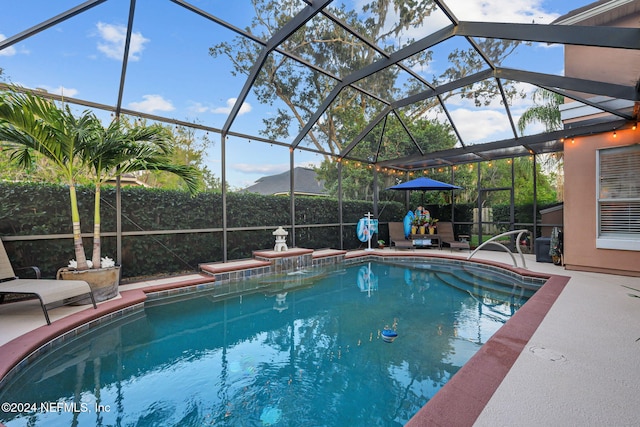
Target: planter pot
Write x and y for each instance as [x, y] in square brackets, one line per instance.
[432, 230]
[421, 229]
[103, 281]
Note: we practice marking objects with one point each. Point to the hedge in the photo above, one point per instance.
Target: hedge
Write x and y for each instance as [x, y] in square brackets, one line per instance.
[43, 209]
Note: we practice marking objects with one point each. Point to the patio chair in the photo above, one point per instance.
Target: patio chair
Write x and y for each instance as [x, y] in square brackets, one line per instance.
[48, 291]
[445, 232]
[396, 236]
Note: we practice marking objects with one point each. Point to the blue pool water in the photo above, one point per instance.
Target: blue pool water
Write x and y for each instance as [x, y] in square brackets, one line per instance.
[302, 349]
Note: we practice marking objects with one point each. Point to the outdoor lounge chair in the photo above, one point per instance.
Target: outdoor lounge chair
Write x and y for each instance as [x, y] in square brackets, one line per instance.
[445, 232]
[396, 236]
[48, 291]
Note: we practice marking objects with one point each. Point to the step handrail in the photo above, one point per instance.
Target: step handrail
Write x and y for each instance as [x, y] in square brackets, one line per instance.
[507, 233]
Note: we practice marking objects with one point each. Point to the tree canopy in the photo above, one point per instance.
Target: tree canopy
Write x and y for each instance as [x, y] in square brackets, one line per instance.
[332, 48]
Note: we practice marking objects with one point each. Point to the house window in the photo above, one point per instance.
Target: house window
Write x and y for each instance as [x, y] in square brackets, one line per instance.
[618, 195]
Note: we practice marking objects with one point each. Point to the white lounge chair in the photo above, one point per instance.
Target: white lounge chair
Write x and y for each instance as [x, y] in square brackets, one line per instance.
[48, 291]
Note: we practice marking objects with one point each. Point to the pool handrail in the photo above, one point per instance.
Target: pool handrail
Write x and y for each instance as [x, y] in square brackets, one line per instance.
[506, 233]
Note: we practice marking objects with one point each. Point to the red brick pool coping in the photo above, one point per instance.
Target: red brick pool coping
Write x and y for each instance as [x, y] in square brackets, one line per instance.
[458, 403]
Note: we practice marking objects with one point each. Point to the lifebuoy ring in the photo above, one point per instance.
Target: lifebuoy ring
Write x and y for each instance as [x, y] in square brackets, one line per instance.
[362, 230]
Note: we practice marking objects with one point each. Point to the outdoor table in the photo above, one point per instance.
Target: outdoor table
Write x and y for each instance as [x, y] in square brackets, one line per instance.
[418, 237]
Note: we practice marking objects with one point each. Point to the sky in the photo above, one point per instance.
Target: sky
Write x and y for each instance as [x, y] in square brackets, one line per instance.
[171, 74]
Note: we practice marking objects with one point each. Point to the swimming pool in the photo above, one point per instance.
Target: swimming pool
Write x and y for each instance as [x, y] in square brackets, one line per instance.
[299, 349]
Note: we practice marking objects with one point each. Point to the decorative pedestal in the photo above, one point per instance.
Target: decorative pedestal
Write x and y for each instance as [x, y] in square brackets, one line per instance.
[292, 260]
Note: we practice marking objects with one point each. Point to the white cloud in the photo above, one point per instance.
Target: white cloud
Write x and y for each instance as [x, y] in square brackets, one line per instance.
[60, 90]
[531, 128]
[480, 125]
[514, 11]
[549, 45]
[113, 38]
[198, 107]
[245, 108]
[518, 11]
[9, 51]
[425, 69]
[151, 104]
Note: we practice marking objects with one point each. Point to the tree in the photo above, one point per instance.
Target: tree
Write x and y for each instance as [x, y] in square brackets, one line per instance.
[29, 124]
[497, 174]
[330, 47]
[337, 51]
[190, 150]
[357, 180]
[546, 110]
[187, 150]
[119, 149]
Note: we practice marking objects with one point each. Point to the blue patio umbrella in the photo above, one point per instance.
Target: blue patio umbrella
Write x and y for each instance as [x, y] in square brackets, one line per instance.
[424, 184]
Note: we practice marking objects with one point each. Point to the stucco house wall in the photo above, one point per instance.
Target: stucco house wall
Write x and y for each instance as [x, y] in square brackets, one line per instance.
[580, 198]
[580, 205]
[605, 64]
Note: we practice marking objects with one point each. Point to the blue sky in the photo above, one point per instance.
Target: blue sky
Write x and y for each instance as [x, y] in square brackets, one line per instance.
[171, 74]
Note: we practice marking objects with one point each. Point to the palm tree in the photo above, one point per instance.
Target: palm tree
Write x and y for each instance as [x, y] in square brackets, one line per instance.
[30, 123]
[118, 149]
[546, 110]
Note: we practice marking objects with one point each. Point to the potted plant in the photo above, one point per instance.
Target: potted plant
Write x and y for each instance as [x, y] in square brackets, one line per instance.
[381, 244]
[117, 150]
[82, 145]
[432, 225]
[419, 222]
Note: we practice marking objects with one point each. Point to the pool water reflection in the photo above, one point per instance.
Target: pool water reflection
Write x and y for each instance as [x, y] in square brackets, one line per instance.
[300, 349]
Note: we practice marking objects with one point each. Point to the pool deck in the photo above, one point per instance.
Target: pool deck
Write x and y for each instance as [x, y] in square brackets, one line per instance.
[569, 359]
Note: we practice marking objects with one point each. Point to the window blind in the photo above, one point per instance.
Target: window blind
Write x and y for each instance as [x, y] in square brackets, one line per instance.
[619, 192]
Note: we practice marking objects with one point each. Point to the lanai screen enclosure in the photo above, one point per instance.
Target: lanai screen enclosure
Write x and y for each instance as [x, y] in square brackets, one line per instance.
[388, 87]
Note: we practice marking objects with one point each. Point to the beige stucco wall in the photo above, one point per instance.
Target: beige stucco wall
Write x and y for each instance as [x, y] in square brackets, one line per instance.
[620, 66]
[580, 251]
